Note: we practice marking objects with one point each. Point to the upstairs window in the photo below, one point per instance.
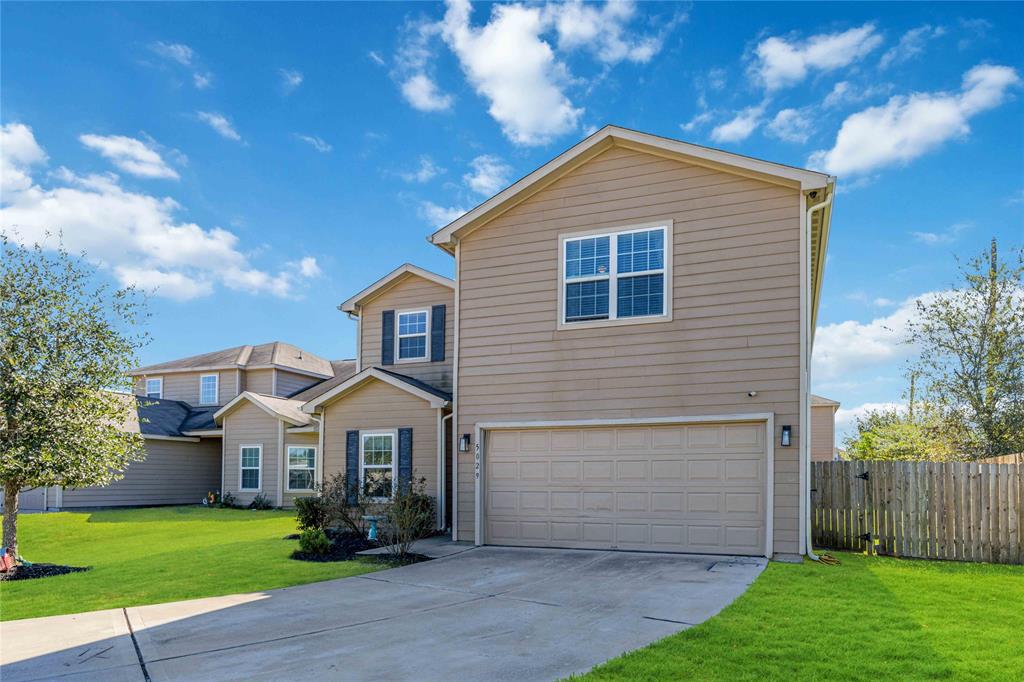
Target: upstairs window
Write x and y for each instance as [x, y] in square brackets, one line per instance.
[208, 389]
[412, 335]
[615, 276]
[155, 388]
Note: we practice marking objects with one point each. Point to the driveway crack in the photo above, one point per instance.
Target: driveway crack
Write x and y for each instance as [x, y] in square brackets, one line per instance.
[135, 643]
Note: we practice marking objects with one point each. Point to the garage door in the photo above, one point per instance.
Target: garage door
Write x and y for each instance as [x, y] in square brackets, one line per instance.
[694, 488]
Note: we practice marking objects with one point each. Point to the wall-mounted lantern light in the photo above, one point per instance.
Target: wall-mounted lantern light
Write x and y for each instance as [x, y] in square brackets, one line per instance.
[787, 435]
[464, 443]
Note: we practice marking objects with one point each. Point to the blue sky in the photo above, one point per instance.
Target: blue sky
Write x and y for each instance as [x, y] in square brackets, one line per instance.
[257, 164]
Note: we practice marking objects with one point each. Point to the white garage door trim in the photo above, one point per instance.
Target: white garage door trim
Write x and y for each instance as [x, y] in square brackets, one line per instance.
[767, 417]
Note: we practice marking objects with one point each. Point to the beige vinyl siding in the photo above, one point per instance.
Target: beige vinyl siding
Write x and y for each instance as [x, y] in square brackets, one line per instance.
[184, 386]
[381, 406]
[289, 383]
[736, 314]
[250, 425]
[259, 381]
[304, 439]
[173, 472]
[411, 293]
[823, 433]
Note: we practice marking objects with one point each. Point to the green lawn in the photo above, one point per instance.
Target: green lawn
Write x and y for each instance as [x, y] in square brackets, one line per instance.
[868, 619]
[147, 556]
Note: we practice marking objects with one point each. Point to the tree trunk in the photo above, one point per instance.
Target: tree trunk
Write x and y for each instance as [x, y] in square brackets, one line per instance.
[11, 490]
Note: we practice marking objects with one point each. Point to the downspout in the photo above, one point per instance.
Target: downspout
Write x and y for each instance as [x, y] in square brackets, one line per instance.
[442, 476]
[805, 417]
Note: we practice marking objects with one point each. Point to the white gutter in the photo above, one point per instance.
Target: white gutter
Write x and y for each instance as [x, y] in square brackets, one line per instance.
[805, 414]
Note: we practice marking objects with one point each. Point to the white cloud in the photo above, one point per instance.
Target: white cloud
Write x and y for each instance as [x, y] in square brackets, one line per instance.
[849, 347]
[138, 237]
[308, 267]
[490, 174]
[907, 127]
[19, 152]
[697, 121]
[202, 80]
[439, 216]
[376, 58]
[780, 62]
[317, 143]
[602, 29]
[130, 155]
[739, 127]
[911, 44]
[220, 124]
[183, 54]
[426, 171]
[792, 125]
[947, 236]
[717, 78]
[510, 65]
[290, 80]
[423, 94]
[845, 92]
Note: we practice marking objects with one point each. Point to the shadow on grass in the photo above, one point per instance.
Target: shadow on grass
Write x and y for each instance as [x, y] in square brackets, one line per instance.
[171, 514]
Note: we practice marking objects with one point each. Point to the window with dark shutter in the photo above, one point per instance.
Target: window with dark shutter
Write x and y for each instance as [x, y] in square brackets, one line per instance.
[387, 337]
[437, 313]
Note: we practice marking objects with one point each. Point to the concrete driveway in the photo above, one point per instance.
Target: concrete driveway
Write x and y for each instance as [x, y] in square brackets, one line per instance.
[486, 613]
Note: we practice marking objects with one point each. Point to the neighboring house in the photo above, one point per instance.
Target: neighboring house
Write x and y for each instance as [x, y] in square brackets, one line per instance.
[823, 429]
[622, 361]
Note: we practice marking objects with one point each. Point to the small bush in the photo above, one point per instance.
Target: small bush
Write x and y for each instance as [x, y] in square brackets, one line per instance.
[314, 541]
[312, 513]
[261, 501]
[228, 500]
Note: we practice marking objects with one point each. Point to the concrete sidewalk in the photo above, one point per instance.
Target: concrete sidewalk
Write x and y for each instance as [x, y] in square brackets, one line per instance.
[485, 613]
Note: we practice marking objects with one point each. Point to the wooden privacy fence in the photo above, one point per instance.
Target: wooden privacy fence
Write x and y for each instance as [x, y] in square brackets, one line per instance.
[955, 511]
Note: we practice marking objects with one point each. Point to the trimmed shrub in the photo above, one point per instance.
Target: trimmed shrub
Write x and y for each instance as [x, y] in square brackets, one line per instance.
[312, 513]
[314, 541]
[261, 501]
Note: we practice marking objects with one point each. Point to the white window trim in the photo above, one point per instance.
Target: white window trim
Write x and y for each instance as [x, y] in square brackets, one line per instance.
[243, 446]
[160, 393]
[613, 275]
[398, 337]
[363, 435]
[216, 389]
[289, 467]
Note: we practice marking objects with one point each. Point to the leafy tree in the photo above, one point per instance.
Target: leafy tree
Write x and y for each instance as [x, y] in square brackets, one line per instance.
[65, 344]
[971, 360]
[918, 433]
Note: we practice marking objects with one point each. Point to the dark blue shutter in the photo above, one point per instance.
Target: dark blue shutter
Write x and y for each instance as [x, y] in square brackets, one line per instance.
[351, 466]
[437, 333]
[405, 457]
[387, 337]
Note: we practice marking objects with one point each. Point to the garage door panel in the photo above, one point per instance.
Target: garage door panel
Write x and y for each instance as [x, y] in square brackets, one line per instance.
[680, 488]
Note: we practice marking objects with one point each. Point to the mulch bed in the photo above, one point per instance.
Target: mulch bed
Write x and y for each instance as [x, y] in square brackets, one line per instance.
[39, 571]
[344, 546]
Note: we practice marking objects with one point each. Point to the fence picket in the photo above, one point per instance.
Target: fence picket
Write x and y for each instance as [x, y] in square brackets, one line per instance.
[935, 510]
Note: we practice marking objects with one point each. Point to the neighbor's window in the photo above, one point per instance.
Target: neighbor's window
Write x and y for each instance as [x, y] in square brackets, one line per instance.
[412, 335]
[377, 464]
[301, 467]
[155, 388]
[208, 389]
[615, 276]
[251, 458]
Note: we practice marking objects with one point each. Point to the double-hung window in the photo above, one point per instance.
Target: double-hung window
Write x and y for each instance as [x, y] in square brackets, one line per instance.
[208, 389]
[155, 388]
[251, 460]
[301, 467]
[412, 335]
[615, 275]
[377, 464]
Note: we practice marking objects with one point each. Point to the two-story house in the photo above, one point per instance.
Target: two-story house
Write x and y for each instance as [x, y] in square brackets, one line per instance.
[621, 361]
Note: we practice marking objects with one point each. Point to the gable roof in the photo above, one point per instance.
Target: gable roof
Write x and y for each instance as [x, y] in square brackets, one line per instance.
[818, 401]
[265, 355]
[343, 369]
[601, 141]
[159, 418]
[391, 279]
[435, 396]
[287, 409]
